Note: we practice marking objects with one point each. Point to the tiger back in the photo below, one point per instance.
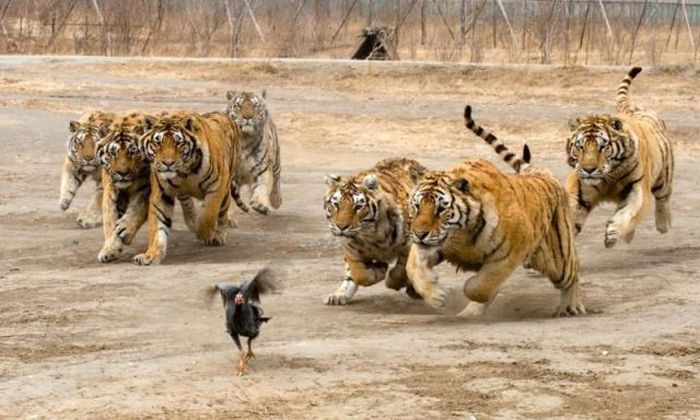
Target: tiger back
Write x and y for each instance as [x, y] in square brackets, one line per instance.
[368, 213]
[260, 151]
[191, 155]
[81, 162]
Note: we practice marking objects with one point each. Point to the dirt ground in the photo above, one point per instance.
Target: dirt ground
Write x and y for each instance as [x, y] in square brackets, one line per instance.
[80, 339]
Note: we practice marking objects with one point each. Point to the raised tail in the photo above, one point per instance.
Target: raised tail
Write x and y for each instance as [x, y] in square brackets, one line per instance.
[509, 157]
[624, 105]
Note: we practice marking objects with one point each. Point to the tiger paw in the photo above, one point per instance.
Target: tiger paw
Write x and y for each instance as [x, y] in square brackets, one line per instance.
[437, 298]
[109, 253]
[569, 310]
[473, 309]
[342, 296]
[412, 293]
[611, 235]
[123, 232]
[89, 220]
[146, 259]
[65, 203]
[260, 208]
[216, 239]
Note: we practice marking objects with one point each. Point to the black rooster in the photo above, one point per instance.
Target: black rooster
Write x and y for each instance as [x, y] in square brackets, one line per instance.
[243, 316]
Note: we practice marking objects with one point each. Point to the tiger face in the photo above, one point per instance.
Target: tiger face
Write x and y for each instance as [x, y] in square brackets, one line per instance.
[248, 111]
[437, 208]
[82, 144]
[170, 144]
[597, 146]
[351, 207]
[120, 153]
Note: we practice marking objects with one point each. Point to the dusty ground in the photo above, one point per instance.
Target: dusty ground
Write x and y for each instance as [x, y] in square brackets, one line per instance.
[82, 339]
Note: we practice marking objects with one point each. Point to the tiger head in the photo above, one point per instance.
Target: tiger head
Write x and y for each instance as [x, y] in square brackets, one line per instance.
[120, 152]
[598, 144]
[82, 144]
[248, 111]
[351, 207]
[437, 207]
[170, 143]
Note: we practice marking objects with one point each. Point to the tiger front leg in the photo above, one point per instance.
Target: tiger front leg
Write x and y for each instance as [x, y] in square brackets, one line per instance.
[260, 200]
[216, 205]
[581, 201]
[91, 216]
[397, 277]
[134, 217]
[345, 292]
[113, 245]
[71, 180]
[481, 289]
[160, 213]
[628, 215]
[419, 268]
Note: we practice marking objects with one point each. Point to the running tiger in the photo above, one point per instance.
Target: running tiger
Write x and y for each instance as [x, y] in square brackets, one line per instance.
[368, 213]
[125, 178]
[82, 162]
[191, 155]
[480, 219]
[260, 152]
[625, 159]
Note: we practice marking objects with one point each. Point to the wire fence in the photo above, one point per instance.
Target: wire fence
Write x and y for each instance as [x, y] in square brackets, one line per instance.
[541, 31]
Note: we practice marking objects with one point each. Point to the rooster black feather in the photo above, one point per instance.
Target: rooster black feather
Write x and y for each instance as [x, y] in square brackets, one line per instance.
[243, 313]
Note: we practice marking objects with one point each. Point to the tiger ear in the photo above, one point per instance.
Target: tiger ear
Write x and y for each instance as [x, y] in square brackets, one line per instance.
[104, 129]
[462, 184]
[371, 182]
[230, 95]
[149, 121]
[616, 124]
[264, 94]
[332, 180]
[189, 123]
[574, 123]
[73, 126]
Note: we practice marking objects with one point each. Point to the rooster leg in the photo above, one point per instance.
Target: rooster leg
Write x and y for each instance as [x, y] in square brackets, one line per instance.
[242, 366]
[250, 355]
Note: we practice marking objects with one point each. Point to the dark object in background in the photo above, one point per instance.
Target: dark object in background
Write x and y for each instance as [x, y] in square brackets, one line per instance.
[377, 44]
[243, 315]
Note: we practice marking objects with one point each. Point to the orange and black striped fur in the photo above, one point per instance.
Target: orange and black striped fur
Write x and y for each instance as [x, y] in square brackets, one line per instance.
[368, 213]
[260, 152]
[191, 155]
[81, 162]
[125, 177]
[625, 159]
[481, 219]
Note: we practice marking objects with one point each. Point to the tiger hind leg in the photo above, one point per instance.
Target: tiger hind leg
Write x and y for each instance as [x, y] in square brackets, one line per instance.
[662, 212]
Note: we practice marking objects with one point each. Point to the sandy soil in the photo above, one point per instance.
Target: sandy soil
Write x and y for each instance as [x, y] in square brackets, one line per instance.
[82, 339]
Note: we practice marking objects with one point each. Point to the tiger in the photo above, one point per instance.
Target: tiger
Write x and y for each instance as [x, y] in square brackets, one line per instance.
[481, 219]
[190, 155]
[260, 154]
[81, 162]
[624, 158]
[368, 213]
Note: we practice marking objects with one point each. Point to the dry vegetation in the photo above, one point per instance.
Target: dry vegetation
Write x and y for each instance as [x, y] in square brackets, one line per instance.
[528, 31]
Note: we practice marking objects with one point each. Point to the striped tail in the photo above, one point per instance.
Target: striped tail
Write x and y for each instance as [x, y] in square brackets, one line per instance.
[624, 105]
[509, 157]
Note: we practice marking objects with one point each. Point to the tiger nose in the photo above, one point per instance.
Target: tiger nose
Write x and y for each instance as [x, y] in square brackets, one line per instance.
[589, 169]
[343, 226]
[421, 234]
[168, 162]
[118, 176]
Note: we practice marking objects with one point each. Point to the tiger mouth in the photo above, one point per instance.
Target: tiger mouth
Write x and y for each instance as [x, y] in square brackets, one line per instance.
[122, 184]
[167, 174]
[248, 129]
